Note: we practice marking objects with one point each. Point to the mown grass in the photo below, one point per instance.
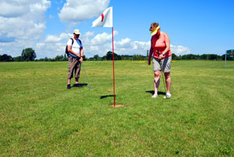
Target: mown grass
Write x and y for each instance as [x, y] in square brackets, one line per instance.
[40, 117]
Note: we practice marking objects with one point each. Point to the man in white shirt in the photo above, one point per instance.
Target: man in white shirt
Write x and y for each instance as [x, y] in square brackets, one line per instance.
[75, 54]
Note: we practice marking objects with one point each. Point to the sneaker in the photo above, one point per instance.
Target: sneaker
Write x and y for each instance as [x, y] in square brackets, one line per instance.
[168, 95]
[155, 95]
[68, 86]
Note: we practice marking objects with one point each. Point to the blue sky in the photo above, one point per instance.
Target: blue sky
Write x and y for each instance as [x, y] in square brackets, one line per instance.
[196, 27]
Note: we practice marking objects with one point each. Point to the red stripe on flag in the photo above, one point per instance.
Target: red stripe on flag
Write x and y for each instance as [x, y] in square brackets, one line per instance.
[102, 17]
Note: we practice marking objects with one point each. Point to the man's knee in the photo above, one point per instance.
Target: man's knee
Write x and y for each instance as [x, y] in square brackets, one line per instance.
[157, 73]
[167, 75]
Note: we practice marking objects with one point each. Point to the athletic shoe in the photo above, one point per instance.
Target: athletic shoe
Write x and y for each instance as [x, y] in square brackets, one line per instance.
[68, 86]
[168, 95]
[155, 95]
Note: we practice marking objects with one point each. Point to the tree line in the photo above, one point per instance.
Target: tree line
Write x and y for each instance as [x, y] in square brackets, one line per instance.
[29, 54]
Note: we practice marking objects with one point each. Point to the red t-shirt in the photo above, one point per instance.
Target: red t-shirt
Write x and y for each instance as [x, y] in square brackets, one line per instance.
[158, 45]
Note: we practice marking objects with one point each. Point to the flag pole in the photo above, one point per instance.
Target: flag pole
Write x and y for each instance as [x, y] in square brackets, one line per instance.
[113, 58]
[225, 59]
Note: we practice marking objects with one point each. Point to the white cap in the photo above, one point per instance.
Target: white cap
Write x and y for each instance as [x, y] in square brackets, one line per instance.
[76, 31]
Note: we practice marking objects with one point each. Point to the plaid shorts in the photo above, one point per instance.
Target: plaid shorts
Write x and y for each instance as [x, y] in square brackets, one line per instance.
[162, 65]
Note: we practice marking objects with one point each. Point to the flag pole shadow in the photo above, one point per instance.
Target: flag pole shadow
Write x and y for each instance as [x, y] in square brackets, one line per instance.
[114, 105]
[106, 96]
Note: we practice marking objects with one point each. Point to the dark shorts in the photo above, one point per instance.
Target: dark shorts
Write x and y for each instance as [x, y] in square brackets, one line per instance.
[74, 64]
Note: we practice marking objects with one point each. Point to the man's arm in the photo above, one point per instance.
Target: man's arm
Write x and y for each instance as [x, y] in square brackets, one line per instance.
[150, 55]
[167, 42]
[81, 54]
[69, 48]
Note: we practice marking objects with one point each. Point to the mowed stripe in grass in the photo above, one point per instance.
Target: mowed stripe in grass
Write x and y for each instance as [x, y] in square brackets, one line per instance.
[40, 117]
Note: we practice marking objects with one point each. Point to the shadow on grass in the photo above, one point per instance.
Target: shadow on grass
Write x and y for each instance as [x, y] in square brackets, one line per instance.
[106, 96]
[152, 92]
[80, 85]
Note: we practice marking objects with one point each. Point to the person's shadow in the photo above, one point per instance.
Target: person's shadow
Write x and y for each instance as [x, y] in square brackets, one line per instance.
[159, 92]
[106, 96]
[80, 85]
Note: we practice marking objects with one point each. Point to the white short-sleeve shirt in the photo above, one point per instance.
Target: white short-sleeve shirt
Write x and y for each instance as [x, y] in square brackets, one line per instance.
[77, 45]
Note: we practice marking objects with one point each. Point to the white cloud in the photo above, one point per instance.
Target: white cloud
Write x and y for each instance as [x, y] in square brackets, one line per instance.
[54, 38]
[77, 11]
[102, 43]
[179, 50]
[124, 42]
[88, 34]
[52, 46]
[101, 39]
[50, 49]
[1, 51]
[126, 46]
[13, 8]
[28, 25]
[98, 44]
[22, 22]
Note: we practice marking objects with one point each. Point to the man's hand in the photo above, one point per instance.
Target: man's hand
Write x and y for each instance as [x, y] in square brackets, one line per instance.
[81, 59]
[78, 55]
[160, 56]
[149, 61]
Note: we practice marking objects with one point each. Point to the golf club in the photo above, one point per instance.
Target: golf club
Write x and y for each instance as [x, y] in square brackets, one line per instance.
[164, 82]
[161, 65]
[162, 71]
[87, 77]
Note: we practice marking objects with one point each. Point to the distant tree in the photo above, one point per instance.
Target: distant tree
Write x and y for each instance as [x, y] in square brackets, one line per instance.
[65, 58]
[5, 58]
[191, 57]
[174, 57]
[18, 59]
[28, 54]
[138, 57]
[213, 57]
[109, 56]
[222, 57]
[97, 58]
[91, 59]
[59, 58]
[204, 57]
[126, 57]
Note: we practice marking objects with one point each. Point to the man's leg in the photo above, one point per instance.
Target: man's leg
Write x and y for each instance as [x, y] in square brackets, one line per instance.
[68, 81]
[168, 81]
[77, 72]
[167, 68]
[70, 71]
[157, 75]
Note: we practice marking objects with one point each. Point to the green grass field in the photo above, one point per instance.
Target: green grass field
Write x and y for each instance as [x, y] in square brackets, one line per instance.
[40, 117]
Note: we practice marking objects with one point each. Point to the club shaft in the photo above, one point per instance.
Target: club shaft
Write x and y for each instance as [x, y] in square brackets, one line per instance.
[86, 76]
[162, 73]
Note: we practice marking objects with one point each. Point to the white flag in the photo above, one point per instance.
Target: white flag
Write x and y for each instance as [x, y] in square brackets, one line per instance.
[105, 20]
